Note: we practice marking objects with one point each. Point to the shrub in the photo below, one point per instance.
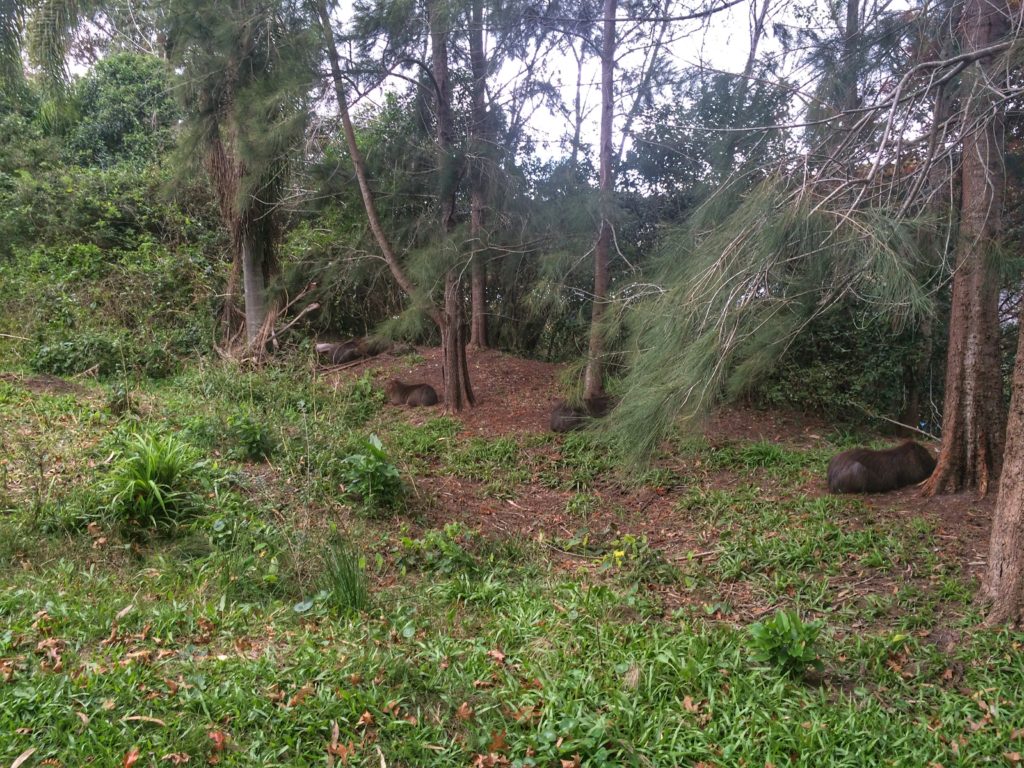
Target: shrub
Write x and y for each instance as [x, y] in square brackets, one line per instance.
[252, 440]
[786, 642]
[154, 483]
[371, 480]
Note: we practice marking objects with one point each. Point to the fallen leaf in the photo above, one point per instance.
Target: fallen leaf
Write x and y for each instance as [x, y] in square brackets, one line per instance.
[497, 743]
[143, 719]
[575, 762]
[20, 759]
[464, 712]
[689, 706]
[497, 656]
[300, 695]
[344, 751]
[1013, 757]
[131, 758]
[365, 719]
[219, 739]
[176, 758]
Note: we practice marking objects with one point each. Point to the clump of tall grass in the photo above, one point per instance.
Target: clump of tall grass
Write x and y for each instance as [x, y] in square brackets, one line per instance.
[154, 483]
[344, 579]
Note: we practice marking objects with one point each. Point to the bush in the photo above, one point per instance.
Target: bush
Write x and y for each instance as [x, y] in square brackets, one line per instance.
[371, 480]
[786, 642]
[252, 440]
[154, 483]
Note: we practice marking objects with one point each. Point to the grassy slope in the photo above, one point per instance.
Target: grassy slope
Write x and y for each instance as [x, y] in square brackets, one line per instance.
[474, 650]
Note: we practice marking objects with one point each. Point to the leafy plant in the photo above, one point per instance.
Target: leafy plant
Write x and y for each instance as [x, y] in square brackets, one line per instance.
[371, 480]
[153, 483]
[443, 551]
[787, 642]
[252, 439]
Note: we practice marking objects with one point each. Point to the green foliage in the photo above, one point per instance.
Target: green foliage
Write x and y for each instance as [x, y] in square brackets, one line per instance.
[442, 551]
[371, 481]
[742, 280]
[345, 580]
[153, 484]
[252, 439]
[815, 372]
[125, 108]
[786, 642]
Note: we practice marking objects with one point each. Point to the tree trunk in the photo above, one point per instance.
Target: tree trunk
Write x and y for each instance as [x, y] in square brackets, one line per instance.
[359, 164]
[254, 286]
[480, 140]
[974, 418]
[454, 367]
[1005, 583]
[593, 381]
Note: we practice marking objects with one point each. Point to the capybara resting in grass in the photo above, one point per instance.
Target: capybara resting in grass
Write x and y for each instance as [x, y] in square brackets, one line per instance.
[862, 470]
[566, 418]
[410, 394]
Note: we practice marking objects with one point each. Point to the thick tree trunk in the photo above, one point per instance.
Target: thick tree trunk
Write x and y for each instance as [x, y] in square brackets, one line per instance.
[593, 381]
[480, 140]
[254, 286]
[974, 417]
[454, 367]
[1005, 583]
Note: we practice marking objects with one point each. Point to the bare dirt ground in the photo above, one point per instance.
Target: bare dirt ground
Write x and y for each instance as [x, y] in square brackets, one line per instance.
[515, 396]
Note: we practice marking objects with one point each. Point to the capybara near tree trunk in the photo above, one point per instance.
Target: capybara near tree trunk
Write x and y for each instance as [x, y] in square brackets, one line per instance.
[566, 418]
[862, 470]
[410, 394]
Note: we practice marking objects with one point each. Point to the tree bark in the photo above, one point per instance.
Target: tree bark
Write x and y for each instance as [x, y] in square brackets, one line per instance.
[1005, 583]
[593, 381]
[480, 141]
[454, 367]
[974, 417]
[254, 287]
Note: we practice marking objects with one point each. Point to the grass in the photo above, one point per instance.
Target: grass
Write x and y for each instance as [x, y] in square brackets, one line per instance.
[270, 613]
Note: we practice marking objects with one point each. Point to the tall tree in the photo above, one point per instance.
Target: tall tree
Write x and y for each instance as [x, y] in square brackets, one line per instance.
[973, 416]
[449, 316]
[455, 369]
[247, 74]
[593, 381]
[1004, 585]
[481, 143]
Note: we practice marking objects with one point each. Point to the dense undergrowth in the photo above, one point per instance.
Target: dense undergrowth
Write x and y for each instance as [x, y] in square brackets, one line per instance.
[258, 605]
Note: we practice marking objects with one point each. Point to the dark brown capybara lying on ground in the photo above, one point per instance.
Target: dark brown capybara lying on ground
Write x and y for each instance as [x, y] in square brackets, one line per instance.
[566, 418]
[863, 470]
[410, 394]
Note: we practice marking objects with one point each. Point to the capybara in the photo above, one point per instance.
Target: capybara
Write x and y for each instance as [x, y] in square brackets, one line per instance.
[566, 418]
[862, 470]
[410, 394]
[341, 352]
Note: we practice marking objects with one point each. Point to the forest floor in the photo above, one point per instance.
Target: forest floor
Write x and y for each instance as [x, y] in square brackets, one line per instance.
[515, 398]
[475, 591]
